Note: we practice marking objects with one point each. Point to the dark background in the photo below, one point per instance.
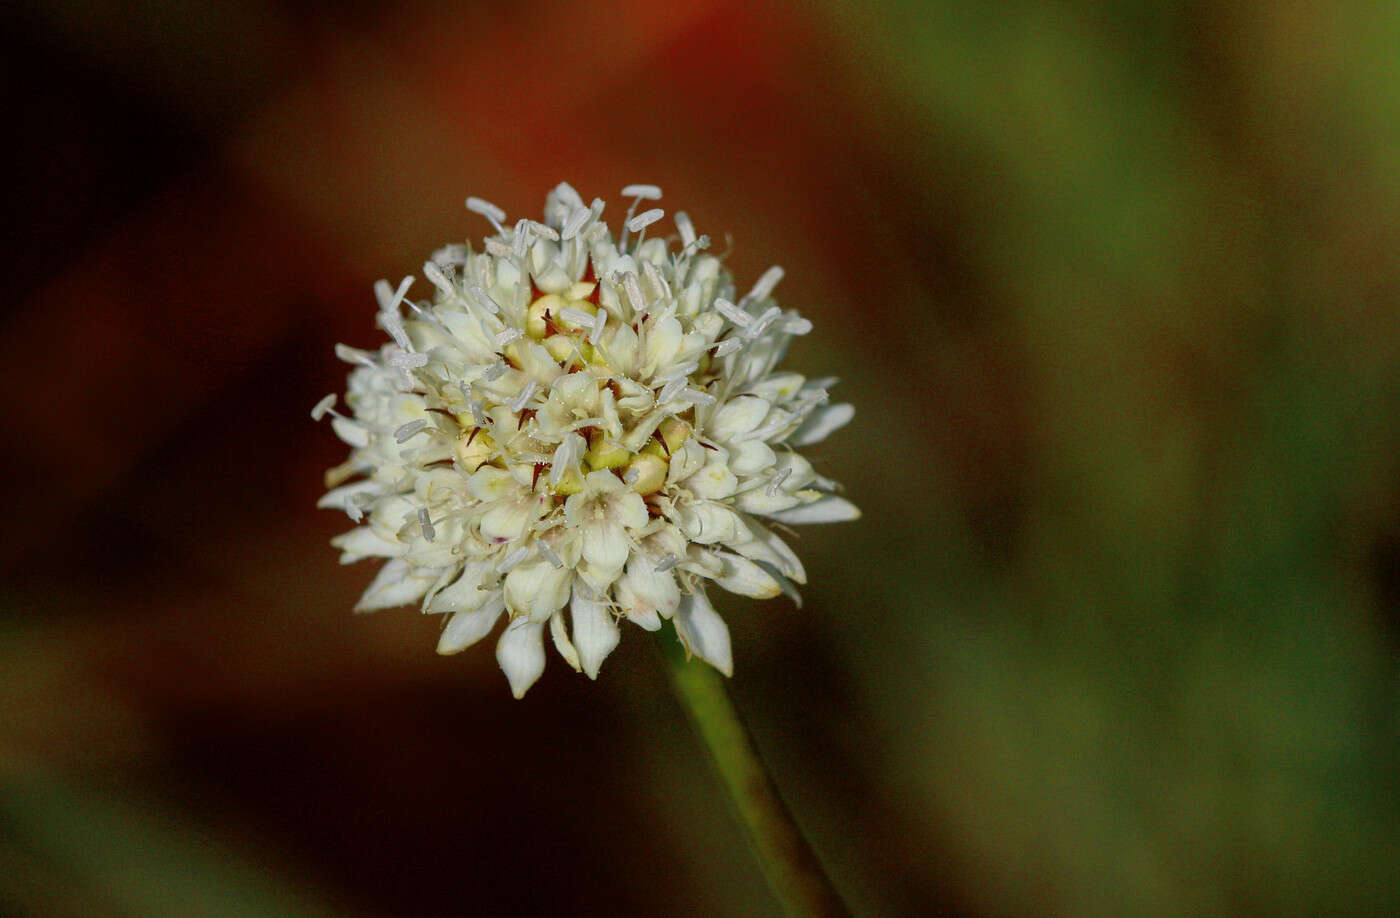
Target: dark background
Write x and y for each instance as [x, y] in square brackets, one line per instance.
[1115, 287]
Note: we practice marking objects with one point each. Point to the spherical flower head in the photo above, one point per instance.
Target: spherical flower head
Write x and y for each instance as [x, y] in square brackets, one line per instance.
[585, 422]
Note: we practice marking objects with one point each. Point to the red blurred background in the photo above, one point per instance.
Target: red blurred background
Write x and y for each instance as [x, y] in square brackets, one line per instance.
[1113, 289]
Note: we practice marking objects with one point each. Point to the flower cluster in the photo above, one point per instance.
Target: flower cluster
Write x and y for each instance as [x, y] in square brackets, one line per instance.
[585, 421]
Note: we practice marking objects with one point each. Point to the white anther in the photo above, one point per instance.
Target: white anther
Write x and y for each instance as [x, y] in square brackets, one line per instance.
[394, 326]
[513, 558]
[671, 390]
[634, 292]
[486, 209]
[727, 347]
[656, 280]
[506, 336]
[406, 431]
[777, 482]
[438, 279]
[763, 321]
[644, 219]
[695, 396]
[575, 222]
[566, 456]
[600, 321]
[550, 556]
[523, 399]
[732, 313]
[388, 299]
[354, 355]
[686, 228]
[645, 192]
[796, 325]
[576, 316]
[320, 409]
[429, 532]
[484, 299]
[406, 361]
[495, 371]
[765, 284]
[666, 564]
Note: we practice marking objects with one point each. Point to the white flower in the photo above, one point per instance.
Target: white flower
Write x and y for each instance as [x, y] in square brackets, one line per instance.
[582, 422]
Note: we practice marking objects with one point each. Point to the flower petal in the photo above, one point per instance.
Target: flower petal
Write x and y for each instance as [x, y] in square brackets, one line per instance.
[822, 423]
[537, 590]
[595, 632]
[469, 591]
[364, 542]
[830, 509]
[396, 584]
[467, 627]
[704, 633]
[742, 576]
[714, 482]
[644, 593]
[739, 415]
[561, 640]
[520, 651]
[767, 546]
[605, 545]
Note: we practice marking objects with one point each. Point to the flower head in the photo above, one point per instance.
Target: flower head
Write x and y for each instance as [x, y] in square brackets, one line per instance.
[579, 421]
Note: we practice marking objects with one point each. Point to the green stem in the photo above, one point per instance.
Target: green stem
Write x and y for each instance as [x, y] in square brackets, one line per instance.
[791, 867]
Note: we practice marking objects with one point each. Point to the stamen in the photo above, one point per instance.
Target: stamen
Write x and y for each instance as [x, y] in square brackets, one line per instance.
[479, 413]
[429, 532]
[513, 558]
[732, 313]
[777, 482]
[576, 316]
[506, 336]
[697, 397]
[320, 409]
[394, 326]
[763, 321]
[575, 222]
[645, 192]
[486, 209]
[354, 355]
[438, 279]
[522, 239]
[550, 556]
[634, 292]
[521, 400]
[766, 283]
[389, 300]
[644, 219]
[498, 248]
[796, 325]
[406, 431]
[495, 371]
[543, 231]
[656, 280]
[727, 347]
[409, 361]
[600, 321]
[631, 475]
[568, 194]
[671, 390]
[566, 456]
[666, 564]
[484, 299]
[686, 228]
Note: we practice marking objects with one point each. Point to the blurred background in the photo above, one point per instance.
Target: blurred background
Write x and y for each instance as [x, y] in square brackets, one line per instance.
[1115, 287]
